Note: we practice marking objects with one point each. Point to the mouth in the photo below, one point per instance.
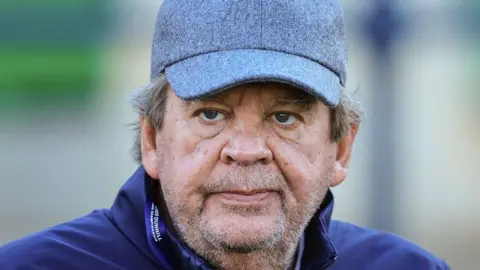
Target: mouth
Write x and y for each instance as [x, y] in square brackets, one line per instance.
[240, 196]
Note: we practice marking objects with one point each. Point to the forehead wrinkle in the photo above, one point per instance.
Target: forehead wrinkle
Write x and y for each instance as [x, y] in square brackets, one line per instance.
[241, 97]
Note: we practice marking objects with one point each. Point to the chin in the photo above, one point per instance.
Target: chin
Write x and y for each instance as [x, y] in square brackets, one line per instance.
[243, 234]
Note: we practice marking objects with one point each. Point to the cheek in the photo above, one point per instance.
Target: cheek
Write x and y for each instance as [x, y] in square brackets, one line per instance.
[188, 161]
[307, 167]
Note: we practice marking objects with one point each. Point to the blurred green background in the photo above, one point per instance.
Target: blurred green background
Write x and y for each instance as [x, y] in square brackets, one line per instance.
[50, 53]
[67, 68]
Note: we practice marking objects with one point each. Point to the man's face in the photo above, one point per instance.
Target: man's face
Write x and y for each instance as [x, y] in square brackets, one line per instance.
[246, 169]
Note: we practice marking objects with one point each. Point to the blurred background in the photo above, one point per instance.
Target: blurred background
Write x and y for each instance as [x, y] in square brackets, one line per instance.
[67, 68]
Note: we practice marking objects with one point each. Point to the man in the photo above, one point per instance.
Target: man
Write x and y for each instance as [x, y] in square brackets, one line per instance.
[243, 130]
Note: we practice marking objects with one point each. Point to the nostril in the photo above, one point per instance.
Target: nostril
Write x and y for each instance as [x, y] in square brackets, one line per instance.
[264, 160]
[229, 160]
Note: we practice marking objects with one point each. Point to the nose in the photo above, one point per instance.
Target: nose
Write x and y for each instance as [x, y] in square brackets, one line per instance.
[246, 149]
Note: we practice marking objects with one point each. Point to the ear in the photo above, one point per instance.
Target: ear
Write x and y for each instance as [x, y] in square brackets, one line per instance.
[344, 152]
[149, 147]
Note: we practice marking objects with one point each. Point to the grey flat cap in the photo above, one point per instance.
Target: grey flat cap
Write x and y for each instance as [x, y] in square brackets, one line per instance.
[206, 46]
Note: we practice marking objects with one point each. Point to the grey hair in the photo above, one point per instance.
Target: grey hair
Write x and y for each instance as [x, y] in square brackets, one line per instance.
[150, 103]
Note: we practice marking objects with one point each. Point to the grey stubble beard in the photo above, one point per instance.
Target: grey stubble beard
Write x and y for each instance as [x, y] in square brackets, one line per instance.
[275, 253]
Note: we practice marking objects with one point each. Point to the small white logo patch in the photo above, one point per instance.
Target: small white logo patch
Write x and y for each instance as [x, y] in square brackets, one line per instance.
[154, 216]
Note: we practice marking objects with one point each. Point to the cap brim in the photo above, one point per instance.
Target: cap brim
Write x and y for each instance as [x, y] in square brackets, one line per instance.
[211, 73]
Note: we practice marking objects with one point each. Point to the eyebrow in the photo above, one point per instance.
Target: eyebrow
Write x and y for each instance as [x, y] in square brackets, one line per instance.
[203, 99]
[208, 98]
[190, 103]
[302, 101]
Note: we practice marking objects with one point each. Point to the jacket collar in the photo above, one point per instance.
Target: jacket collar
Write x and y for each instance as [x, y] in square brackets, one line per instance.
[131, 214]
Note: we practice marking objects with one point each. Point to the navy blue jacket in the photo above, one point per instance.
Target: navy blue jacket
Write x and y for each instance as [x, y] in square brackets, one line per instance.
[133, 235]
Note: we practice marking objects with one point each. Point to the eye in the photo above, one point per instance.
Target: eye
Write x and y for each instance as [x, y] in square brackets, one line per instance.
[211, 115]
[285, 119]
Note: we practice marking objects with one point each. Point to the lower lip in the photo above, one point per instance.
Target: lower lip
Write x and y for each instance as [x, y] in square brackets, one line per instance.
[245, 198]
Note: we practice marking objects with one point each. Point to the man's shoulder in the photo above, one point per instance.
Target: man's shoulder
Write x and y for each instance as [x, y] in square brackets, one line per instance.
[91, 240]
[371, 249]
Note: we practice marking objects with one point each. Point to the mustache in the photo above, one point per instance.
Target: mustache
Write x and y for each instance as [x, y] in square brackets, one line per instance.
[248, 178]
